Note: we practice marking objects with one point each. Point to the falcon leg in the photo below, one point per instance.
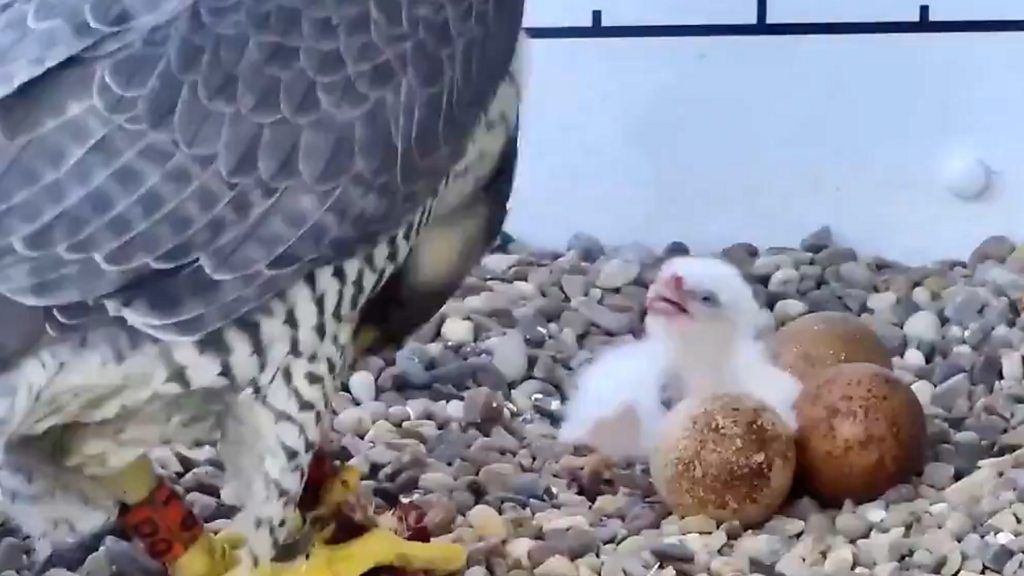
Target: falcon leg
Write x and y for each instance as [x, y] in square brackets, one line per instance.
[328, 490]
[156, 516]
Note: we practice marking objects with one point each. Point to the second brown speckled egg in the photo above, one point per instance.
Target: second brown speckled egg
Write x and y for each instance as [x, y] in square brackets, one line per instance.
[817, 341]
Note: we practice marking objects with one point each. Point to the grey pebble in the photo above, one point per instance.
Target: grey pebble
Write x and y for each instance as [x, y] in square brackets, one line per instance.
[855, 300]
[986, 370]
[509, 354]
[741, 255]
[635, 252]
[824, 300]
[951, 392]
[965, 305]
[946, 369]
[576, 542]
[675, 248]
[617, 273]
[126, 558]
[615, 323]
[13, 554]
[642, 518]
[768, 265]
[205, 479]
[784, 281]
[766, 548]
[996, 248]
[989, 428]
[938, 475]
[527, 395]
[997, 557]
[834, 256]
[575, 286]
[587, 246]
[891, 336]
[670, 552]
[856, 275]
[818, 240]
[483, 406]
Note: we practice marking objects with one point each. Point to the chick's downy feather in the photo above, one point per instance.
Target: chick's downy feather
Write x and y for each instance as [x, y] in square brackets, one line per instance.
[617, 406]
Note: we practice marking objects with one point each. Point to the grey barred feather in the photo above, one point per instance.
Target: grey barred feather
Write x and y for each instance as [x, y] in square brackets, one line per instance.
[157, 156]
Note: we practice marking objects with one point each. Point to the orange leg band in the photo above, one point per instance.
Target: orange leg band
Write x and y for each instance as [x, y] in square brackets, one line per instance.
[163, 523]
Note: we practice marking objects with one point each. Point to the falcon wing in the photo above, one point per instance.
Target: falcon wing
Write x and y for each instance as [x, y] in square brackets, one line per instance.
[180, 161]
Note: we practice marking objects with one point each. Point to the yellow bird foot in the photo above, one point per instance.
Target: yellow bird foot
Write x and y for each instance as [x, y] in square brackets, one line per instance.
[209, 556]
[378, 548]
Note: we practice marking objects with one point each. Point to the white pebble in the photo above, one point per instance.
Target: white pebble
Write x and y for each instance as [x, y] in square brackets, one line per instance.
[938, 475]
[839, 560]
[875, 514]
[500, 262]
[789, 309]
[381, 432]
[487, 522]
[697, 525]
[887, 569]
[518, 552]
[923, 389]
[852, 526]
[770, 264]
[353, 421]
[436, 482]
[953, 562]
[784, 281]
[509, 354]
[972, 487]
[585, 570]
[765, 548]
[728, 566]
[1013, 365]
[457, 330]
[1005, 520]
[923, 297]
[362, 386]
[525, 290]
[881, 303]
[556, 566]
[923, 326]
[455, 409]
[914, 357]
[565, 523]
[617, 273]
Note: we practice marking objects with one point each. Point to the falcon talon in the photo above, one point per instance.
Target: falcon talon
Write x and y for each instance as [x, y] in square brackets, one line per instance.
[378, 548]
[338, 510]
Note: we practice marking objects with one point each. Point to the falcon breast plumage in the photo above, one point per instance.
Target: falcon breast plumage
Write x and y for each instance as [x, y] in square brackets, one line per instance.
[197, 198]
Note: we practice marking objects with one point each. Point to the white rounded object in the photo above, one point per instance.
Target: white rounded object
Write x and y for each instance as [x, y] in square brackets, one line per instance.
[967, 177]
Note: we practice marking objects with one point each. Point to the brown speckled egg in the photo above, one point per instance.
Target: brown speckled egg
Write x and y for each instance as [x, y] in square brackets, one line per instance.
[728, 456]
[822, 339]
[861, 432]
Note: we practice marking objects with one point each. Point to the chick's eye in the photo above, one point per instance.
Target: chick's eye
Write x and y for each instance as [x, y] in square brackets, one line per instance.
[708, 299]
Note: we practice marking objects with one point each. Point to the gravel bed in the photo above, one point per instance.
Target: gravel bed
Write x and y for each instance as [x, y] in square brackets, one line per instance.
[463, 420]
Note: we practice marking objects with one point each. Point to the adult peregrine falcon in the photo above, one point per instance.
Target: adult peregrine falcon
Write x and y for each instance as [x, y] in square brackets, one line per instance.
[197, 197]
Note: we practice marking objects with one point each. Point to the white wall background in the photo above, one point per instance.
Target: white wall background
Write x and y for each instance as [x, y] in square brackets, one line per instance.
[763, 139]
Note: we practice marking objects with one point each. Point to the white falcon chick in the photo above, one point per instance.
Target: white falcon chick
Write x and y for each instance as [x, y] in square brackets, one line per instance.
[701, 338]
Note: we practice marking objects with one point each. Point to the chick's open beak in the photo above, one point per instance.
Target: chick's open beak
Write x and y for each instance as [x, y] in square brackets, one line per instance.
[668, 296]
